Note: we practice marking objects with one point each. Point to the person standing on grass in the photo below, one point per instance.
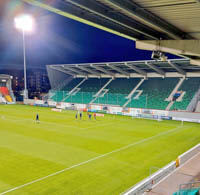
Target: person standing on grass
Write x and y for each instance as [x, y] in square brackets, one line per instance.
[95, 116]
[76, 116]
[80, 115]
[37, 118]
[90, 116]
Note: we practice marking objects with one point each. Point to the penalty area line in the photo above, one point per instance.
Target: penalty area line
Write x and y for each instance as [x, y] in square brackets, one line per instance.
[92, 159]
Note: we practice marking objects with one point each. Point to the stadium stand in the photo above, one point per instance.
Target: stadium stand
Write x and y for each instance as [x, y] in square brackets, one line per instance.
[5, 93]
[152, 93]
[140, 84]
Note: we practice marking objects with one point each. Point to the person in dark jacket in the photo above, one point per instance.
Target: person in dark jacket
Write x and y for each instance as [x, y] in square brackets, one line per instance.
[37, 118]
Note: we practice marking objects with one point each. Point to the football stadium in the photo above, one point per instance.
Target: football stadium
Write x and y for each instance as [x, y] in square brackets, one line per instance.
[109, 128]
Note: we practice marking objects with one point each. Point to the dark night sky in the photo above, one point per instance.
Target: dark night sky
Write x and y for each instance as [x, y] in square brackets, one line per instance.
[57, 39]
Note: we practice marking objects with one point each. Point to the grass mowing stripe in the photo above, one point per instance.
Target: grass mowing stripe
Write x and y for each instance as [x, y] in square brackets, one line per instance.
[93, 159]
[50, 123]
[100, 125]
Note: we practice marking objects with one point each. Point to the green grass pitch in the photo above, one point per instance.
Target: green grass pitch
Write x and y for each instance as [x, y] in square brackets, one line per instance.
[106, 156]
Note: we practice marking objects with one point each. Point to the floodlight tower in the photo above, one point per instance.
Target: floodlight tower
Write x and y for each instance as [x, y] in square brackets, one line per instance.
[25, 24]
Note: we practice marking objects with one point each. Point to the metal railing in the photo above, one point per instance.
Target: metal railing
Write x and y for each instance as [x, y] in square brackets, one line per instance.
[153, 179]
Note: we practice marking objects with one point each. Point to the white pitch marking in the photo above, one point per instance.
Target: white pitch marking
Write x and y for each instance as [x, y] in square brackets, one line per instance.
[85, 162]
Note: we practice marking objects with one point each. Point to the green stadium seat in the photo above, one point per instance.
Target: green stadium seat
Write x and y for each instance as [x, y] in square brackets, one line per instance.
[155, 91]
[118, 91]
[187, 192]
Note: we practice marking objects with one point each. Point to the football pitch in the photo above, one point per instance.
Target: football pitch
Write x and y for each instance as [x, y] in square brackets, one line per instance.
[65, 156]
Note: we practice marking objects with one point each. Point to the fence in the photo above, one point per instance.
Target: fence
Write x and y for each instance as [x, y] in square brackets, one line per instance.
[147, 184]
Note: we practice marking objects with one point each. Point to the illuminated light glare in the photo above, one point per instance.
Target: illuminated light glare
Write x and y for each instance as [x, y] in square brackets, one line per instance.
[24, 22]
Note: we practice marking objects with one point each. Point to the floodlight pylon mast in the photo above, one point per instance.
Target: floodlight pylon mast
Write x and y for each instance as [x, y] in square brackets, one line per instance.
[24, 54]
[24, 23]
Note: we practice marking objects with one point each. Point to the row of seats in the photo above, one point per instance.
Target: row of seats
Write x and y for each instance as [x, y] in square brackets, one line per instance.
[190, 86]
[87, 90]
[2, 99]
[118, 90]
[5, 93]
[194, 191]
[154, 92]
[4, 90]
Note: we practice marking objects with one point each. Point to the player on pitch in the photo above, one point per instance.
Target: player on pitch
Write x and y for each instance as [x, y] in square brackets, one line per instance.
[37, 118]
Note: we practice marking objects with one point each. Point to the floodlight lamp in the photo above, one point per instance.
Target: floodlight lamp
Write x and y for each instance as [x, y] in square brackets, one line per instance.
[24, 22]
[158, 55]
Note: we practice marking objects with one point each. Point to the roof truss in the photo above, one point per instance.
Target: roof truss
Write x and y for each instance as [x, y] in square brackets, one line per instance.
[180, 70]
[72, 69]
[158, 70]
[136, 69]
[64, 71]
[103, 70]
[88, 70]
[118, 70]
[130, 69]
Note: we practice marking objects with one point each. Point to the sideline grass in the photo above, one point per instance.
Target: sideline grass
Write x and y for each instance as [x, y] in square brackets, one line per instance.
[29, 151]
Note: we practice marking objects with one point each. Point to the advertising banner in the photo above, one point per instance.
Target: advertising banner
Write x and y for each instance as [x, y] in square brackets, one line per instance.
[115, 110]
[52, 103]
